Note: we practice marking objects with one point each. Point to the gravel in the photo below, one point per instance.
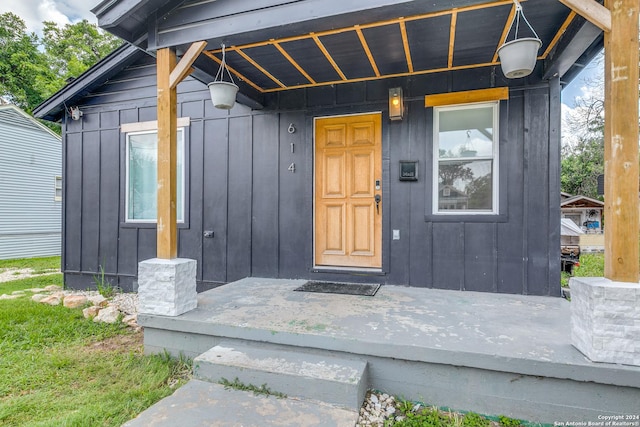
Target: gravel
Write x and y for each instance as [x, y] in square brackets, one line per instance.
[376, 409]
[125, 302]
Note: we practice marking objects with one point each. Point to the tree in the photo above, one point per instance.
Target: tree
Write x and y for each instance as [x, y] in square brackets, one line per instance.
[450, 172]
[583, 145]
[581, 167]
[32, 69]
[72, 49]
[24, 73]
[583, 140]
[480, 191]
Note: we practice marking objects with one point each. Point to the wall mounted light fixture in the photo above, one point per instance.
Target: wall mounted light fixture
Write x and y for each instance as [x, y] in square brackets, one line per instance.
[75, 113]
[396, 104]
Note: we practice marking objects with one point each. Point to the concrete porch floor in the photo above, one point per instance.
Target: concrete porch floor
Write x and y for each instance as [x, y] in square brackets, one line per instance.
[488, 353]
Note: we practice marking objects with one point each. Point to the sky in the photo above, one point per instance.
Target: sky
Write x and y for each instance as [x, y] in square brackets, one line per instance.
[577, 87]
[33, 12]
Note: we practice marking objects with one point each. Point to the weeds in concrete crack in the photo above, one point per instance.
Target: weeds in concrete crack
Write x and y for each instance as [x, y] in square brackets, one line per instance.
[262, 390]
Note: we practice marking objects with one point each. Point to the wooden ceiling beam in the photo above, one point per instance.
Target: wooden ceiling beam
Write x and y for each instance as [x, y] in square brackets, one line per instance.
[505, 32]
[365, 46]
[293, 62]
[592, 11]
[259, 67]
[183, 68]
[327, 55]
[452, 38]
[405, 44]
[559, 34]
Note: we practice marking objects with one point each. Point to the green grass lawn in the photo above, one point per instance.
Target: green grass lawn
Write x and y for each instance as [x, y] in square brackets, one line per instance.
[59, 369]
[591, 265]
[40, 265]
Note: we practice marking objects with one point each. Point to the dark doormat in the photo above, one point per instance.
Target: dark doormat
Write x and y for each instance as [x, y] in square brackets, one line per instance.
[367, 290]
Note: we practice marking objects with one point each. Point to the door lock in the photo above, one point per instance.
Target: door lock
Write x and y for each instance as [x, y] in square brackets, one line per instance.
[378, 199]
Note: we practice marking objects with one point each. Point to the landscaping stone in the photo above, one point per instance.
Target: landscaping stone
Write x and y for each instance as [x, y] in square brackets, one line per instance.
[91, 312]
[130, 318]
[36, 290]
[38, 297]
[51, 300]
[98, 300]
[108, 314]
[19, 293]
[74, 301]
[5, 296]
[52, 288]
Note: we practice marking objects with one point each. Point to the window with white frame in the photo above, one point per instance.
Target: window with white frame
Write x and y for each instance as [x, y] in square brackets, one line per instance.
[142, 176]
[58, 189]
[465, 159]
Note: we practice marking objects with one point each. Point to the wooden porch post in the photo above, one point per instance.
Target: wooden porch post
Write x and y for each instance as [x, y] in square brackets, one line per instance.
[621, 142]
[167, 156]
[169, 74]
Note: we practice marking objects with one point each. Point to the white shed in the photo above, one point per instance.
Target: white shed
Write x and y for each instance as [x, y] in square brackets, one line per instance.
[30, 186]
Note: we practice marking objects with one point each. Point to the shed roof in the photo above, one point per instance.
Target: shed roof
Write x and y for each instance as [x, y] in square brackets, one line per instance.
[569, 228]
[581, 202]
[16, 118]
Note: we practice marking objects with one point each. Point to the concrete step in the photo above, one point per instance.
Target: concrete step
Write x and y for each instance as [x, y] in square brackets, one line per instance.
[335, 380]
[203, 404]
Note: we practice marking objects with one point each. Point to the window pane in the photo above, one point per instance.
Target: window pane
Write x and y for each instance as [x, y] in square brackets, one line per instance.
[180, 178]
[143, 176]
[466, 132]
[464, 185]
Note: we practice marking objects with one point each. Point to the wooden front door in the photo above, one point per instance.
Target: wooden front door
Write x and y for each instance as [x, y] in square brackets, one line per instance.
[348, 192]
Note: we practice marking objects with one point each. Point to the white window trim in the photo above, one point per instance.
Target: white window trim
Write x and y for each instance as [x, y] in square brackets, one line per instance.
[495, 170]
[57, 179]
[151, 125]
[180, 143]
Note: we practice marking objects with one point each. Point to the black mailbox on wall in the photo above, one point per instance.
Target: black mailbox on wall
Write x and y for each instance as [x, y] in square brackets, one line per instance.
[408, 170]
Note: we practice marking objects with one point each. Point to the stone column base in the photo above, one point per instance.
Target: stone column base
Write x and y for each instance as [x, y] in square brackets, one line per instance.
[167, 286]
[605, 319]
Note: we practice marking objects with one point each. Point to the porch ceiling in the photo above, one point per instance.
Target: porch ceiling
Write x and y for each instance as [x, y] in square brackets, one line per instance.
[460, 38]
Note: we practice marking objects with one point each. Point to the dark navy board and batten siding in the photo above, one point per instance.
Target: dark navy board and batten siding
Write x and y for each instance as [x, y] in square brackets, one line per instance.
[238, 186]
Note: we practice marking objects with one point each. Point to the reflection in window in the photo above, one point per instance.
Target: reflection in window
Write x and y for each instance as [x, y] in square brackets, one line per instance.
[142, 176]
[465, 154]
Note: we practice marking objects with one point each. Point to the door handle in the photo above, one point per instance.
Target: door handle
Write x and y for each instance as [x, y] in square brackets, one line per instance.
[378, 199]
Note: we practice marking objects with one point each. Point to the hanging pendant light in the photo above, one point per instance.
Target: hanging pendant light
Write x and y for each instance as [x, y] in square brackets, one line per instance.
[223, 94]
[518, 56]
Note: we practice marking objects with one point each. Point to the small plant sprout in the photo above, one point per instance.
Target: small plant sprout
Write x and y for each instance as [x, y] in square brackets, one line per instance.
[104, 285]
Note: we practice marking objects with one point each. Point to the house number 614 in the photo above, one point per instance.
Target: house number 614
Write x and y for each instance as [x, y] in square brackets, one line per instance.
[292, 167]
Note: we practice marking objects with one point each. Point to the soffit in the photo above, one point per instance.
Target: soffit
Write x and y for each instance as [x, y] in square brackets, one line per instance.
[461, 38]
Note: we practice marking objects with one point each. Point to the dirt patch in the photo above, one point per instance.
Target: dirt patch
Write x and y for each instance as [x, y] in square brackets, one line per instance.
[132, 342]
